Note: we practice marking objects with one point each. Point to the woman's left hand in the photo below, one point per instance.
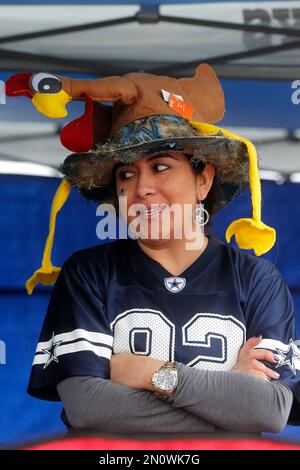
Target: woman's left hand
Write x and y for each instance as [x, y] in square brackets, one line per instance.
[133, 370]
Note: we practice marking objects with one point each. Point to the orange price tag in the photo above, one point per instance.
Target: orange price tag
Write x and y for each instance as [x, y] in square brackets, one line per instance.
[181, 107]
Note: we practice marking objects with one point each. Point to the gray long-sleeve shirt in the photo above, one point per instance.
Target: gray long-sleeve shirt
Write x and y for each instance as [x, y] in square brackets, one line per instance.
[203, 402]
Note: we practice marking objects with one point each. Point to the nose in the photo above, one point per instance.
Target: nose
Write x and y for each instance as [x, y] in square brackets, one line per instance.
[146, 185]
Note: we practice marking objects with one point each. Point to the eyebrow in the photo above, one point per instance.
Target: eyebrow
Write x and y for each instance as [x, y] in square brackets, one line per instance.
[154, 157]
[162, 155]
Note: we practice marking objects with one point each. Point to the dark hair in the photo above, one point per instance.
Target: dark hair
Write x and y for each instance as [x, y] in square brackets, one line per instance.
[211, 202]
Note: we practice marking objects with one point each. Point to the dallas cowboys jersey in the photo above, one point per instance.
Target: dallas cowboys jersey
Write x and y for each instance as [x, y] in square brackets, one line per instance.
[113, 298]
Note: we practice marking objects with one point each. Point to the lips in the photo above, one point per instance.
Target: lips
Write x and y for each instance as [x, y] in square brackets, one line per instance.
[150, 213]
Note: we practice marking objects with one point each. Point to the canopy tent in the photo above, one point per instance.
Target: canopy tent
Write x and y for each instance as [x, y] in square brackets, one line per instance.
[258, 40]
[253, 46]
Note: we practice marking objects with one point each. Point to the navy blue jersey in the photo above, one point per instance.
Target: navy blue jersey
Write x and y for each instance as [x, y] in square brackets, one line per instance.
[113, 298]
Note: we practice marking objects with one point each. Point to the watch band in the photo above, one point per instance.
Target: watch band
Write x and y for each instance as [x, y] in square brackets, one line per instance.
[170, 365]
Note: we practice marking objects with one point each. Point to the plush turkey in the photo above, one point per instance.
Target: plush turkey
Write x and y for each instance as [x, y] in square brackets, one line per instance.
[112, 102]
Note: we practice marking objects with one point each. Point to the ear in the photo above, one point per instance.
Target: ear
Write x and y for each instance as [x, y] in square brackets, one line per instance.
[205, 181]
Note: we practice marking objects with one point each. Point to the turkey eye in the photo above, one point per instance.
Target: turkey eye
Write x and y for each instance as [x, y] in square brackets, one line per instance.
[45, 83]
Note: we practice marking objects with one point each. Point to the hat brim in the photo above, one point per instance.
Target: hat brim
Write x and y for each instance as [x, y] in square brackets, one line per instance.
[92, 172]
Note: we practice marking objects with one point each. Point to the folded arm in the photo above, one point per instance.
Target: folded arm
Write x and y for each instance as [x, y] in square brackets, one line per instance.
[203, 402]
[101, 405]
[240, 400]
[233, 401]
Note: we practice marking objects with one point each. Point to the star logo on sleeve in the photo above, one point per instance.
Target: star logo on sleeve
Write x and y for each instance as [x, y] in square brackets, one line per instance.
[175, 284]
[51, 351]
[289, 358]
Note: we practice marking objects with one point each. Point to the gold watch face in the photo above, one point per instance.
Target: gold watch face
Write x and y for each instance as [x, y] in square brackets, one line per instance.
[166, 380]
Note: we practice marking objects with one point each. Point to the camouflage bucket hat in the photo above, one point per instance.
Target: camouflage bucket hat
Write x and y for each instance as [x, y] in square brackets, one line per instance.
[93, 172]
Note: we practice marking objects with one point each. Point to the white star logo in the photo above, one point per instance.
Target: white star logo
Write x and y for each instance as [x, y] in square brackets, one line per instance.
[174, 284]
[51, 351]
[288, 358]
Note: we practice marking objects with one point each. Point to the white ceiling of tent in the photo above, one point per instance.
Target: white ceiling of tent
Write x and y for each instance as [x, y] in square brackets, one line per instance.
[148, 45]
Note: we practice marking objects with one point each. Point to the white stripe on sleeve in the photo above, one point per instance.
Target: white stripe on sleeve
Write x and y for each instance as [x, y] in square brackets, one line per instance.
[100, 351]
[79, 333]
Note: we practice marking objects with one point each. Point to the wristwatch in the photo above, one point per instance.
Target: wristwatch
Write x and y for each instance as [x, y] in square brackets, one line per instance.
[165, 380]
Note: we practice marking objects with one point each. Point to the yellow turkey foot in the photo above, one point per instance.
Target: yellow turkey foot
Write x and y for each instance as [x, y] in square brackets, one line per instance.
[252, 234]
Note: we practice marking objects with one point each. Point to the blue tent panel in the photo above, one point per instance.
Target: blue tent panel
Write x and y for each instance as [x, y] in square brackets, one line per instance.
[24, 209]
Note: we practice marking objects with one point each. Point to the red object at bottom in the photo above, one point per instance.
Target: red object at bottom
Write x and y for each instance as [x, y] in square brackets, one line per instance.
[100, 443]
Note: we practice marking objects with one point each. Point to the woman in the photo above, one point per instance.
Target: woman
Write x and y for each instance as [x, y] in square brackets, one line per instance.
[159, 334]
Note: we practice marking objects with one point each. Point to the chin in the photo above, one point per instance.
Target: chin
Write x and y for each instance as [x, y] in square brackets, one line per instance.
[157, 234]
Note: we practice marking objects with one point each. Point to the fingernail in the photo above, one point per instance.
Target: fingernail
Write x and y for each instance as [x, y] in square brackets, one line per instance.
[276, 375]
[260, 336]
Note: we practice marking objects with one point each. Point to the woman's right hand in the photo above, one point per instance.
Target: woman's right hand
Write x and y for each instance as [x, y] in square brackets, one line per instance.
[249, 360]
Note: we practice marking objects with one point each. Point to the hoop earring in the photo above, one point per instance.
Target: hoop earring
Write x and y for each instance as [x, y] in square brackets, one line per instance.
[200, 215]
